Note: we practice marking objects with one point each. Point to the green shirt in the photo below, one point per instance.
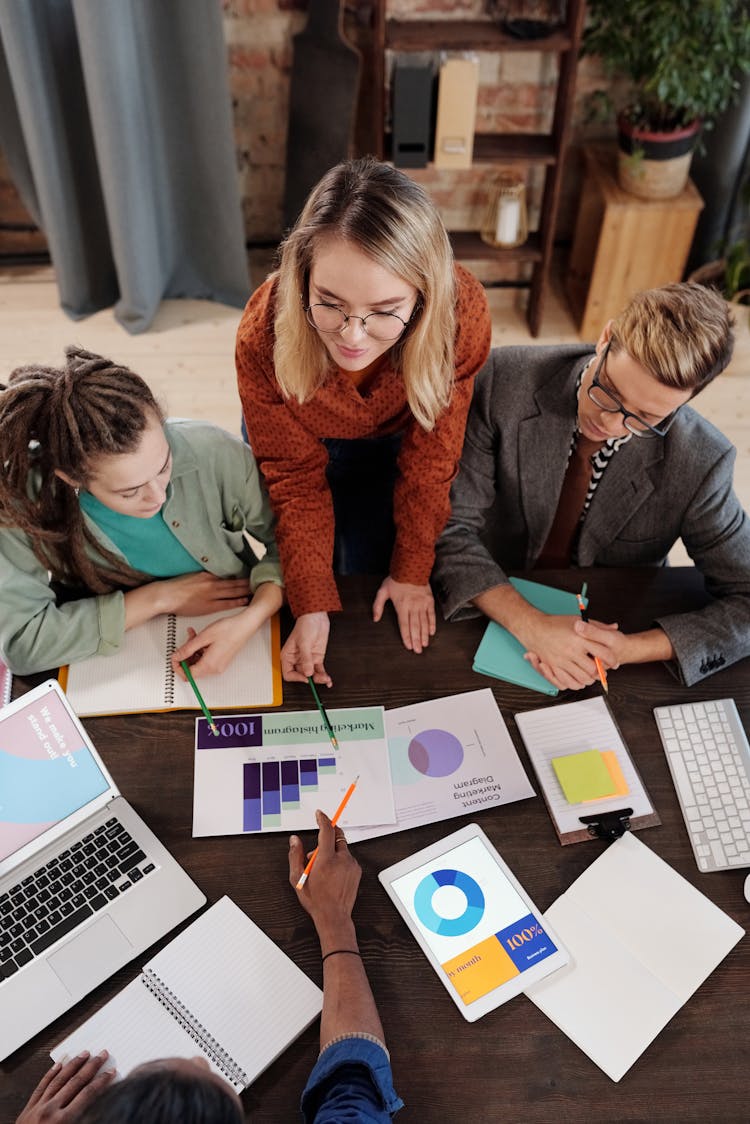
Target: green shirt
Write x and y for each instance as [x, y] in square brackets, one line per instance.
[148, 544]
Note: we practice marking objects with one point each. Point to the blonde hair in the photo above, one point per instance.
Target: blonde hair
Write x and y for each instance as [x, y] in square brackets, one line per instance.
[390, 219]
[682, 334]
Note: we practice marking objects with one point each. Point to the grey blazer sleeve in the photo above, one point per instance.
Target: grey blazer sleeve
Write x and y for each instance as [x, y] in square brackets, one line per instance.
[716, 534]
[464, 567]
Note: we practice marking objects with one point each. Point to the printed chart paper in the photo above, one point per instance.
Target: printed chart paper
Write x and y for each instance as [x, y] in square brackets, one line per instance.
[269, 772]
[449, 756]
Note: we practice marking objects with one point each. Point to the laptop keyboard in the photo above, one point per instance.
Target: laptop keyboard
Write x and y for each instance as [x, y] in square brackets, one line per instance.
[57, 897]
[709, 758]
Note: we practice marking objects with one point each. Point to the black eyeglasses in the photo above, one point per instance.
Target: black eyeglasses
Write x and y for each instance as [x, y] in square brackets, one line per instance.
[383, 326]
[608, 402]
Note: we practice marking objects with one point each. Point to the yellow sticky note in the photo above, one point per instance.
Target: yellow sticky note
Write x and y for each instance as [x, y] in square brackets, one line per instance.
[609, 757]
[584, 776]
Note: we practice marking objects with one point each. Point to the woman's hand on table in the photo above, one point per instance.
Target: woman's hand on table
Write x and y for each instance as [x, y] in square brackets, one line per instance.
[415, 610]
[66, 1090]
[305, 650]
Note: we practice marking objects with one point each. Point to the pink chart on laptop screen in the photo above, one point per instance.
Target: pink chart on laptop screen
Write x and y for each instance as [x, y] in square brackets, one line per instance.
[46, 772]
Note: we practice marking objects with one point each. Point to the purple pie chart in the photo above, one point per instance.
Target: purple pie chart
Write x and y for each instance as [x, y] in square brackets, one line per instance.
[435, 753]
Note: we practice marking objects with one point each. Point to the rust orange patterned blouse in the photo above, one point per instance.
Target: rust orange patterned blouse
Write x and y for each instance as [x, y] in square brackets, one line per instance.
[287, 440]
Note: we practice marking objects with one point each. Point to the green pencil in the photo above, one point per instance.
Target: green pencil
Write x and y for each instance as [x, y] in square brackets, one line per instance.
[323, 715]
[207, 713]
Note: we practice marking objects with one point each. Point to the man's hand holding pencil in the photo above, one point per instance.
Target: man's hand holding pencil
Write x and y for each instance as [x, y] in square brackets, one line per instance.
[329, 893]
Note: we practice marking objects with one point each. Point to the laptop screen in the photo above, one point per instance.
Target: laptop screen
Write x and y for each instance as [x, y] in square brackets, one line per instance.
[47, 771]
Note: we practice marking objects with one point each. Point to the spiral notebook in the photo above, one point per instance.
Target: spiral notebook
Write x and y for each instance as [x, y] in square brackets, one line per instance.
[139, 675]
[222, 987]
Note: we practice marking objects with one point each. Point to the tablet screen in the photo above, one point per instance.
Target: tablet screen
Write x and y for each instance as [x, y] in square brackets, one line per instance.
[473, 920]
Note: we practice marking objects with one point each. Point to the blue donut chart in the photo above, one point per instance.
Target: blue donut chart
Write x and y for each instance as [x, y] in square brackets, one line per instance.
[449, 926]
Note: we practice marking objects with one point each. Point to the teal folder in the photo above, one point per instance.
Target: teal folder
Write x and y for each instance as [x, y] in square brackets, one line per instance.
[501, 655]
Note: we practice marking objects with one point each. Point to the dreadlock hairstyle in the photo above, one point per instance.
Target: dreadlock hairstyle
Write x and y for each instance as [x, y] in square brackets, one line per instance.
[65, 418]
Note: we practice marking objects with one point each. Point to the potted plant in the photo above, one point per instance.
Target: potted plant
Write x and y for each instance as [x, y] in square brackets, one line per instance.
[731, 273]
[680, 61]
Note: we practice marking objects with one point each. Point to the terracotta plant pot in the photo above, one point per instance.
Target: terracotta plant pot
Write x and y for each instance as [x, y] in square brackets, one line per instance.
[654, 165]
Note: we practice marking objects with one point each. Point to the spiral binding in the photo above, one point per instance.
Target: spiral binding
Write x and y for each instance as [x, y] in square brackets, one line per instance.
[168, 669]
[213, 1050]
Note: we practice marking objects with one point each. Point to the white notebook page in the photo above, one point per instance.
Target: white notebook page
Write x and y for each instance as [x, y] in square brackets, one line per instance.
[134, 678]
[233, 978]
[556, 731]
[134, 1028]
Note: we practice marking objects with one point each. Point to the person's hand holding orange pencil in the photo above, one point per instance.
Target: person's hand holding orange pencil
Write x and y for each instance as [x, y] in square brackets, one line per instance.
[347, 795]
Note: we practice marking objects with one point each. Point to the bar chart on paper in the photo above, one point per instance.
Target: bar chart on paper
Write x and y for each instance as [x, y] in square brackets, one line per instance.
[270, 772]
[273, 787]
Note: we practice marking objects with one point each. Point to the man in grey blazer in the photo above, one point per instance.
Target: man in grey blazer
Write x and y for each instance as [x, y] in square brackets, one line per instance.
[593, 458]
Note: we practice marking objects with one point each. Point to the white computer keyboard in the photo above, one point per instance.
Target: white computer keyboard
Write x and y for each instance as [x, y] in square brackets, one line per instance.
[709, 757]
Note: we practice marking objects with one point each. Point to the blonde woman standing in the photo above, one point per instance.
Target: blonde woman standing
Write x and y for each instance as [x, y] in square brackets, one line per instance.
[355, 364]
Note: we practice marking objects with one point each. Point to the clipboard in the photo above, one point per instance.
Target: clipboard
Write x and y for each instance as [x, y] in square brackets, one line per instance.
[587, 724]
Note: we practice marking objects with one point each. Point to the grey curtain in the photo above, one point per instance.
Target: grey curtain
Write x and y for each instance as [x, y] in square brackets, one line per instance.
[116, 123]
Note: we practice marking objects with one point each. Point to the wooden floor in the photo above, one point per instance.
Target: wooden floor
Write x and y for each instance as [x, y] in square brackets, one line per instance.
[187, 357]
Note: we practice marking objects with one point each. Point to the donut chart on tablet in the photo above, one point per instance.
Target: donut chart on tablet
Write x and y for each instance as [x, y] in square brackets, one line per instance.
[436, 922]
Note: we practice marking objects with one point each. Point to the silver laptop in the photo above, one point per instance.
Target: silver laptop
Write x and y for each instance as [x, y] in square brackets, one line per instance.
[84, 885]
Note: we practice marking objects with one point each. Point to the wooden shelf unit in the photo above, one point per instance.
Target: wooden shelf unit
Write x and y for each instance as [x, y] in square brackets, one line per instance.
[546, 149]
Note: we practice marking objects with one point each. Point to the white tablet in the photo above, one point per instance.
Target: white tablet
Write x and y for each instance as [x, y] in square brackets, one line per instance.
[477, 926]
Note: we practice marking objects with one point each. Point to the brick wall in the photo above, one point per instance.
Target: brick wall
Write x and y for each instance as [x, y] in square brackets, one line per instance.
[516, 94]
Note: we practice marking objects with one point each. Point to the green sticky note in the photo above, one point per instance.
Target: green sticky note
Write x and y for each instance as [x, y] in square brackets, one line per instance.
[584, 776]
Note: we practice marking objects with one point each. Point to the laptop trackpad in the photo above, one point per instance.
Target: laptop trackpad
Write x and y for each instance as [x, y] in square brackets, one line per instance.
[91, 956]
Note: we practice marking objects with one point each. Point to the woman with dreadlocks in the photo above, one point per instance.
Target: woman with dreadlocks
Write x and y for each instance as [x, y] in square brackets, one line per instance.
[111, 515]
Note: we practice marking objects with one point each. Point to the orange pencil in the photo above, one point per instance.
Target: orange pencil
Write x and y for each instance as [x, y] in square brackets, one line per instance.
[334, 821]
[599, 665]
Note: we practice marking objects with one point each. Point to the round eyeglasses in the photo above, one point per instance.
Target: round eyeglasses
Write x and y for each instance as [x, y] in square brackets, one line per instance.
[608, 402]
[330, 320]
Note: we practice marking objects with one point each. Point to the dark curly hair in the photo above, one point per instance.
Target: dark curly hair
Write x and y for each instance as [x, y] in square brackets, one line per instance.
[63, 418]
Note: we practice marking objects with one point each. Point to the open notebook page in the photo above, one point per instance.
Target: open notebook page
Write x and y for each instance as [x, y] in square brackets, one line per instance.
[248, 681]
[134, 1028]
[572, 728]
[239, 985]
[132, 678]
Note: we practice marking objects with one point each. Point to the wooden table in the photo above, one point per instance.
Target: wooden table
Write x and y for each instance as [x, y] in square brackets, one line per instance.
[513, 1064]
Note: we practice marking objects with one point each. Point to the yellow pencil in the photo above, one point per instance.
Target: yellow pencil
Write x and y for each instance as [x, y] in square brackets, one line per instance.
[206, 712]
[599, 665]
[334, 821]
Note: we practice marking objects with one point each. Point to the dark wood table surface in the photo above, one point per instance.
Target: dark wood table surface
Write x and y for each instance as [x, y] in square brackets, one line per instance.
[513, 1064]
